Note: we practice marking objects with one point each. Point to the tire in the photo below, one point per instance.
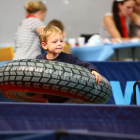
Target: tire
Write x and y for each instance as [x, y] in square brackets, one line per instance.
[30, 80]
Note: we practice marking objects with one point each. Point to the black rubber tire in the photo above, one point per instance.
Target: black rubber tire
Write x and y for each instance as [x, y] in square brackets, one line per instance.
[30, 80]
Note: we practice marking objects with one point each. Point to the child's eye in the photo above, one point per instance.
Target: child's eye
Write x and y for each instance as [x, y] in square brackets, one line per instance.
[54, 41]
[61, 41]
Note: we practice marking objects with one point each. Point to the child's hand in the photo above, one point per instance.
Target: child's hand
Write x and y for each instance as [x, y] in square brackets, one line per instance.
[97, 76]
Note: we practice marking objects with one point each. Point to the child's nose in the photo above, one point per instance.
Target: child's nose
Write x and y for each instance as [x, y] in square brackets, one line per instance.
[59, 43]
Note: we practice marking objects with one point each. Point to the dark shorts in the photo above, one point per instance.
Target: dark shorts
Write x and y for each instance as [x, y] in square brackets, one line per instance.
[56, 99]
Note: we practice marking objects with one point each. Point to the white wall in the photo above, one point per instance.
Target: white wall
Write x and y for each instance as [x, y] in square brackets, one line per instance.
[79, 16]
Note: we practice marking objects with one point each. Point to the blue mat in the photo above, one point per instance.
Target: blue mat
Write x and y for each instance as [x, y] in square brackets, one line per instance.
[66, 135]
[100, 118]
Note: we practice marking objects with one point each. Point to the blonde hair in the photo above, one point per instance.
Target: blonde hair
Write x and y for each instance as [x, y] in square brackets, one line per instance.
[49, 30]
[57, 23]
[35, 6]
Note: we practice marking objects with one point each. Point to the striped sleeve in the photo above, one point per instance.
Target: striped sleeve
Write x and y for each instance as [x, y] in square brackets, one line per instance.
[36, 23]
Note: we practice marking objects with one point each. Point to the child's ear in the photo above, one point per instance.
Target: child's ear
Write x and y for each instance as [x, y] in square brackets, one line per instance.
[44, 45]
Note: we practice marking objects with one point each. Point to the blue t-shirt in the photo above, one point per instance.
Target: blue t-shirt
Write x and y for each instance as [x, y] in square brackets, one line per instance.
[66, 58]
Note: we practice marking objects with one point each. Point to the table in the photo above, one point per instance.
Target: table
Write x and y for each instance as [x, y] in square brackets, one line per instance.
[103, 52]
[132, 45]
[95, 53]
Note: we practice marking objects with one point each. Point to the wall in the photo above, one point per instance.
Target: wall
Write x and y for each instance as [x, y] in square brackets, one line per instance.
[78, 16]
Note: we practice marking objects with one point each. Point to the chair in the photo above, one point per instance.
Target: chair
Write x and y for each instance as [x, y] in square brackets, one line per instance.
[6, 53]
[134, 91]
[67, 49]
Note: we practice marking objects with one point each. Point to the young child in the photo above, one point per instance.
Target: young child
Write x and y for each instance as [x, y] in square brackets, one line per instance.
[51, 39]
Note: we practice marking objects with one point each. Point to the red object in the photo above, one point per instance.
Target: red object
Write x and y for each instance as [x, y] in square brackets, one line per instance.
[123, 25]
[30, 15]
[76, 45]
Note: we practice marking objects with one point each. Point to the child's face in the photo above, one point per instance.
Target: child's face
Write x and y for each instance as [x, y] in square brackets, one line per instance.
[54, 43]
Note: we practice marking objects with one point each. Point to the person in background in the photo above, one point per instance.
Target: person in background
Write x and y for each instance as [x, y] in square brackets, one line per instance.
[60, 25]
[27, 45]
[51, 39]
[135, 30]
[116, 24]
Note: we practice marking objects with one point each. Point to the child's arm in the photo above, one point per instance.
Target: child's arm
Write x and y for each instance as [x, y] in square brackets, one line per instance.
[87, 65]
[91, 67]
[97, 76]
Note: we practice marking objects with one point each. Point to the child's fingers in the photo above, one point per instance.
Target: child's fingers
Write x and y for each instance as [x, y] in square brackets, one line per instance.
[97, 77]
[100, 78]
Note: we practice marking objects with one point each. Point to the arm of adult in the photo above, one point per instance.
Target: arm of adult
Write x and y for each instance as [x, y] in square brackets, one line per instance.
[37, 25]
[112, 29]
[135, 18]
[39, 30]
